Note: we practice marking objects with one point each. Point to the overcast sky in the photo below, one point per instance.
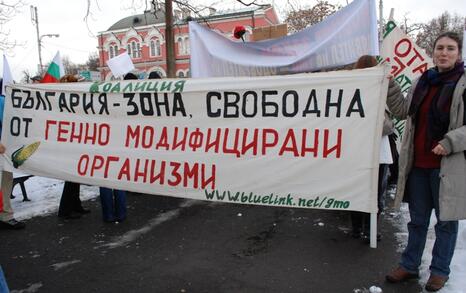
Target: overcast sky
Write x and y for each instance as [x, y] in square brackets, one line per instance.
[76, 41]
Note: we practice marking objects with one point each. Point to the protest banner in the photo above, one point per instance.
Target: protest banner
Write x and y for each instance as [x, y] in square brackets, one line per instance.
[338, 40]
[408, 61]
[304, 141]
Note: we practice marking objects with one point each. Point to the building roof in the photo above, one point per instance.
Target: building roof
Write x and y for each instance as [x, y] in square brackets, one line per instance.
[148, 17]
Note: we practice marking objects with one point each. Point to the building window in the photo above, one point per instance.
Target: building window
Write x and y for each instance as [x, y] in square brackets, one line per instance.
[112, 51]
[134, 49]
[186, 45]
[181, 47]
[154, 47]
[180, 74]
[158, 48]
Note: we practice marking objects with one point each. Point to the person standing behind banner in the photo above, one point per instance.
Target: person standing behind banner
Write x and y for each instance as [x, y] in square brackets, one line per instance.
[36, 79]
[70, 203]
[432, 163]
[154, 75]
[359, 220]
[7, 220]
[113, 201]
[113, 204]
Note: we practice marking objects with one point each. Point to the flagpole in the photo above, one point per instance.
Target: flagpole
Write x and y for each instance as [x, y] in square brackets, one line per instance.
[381, 22]
[35, 21]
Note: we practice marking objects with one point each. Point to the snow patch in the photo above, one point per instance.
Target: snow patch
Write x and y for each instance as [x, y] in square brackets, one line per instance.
[31, 289]
[44, 195]
[132, 235]
[375, 289]
[61, 265]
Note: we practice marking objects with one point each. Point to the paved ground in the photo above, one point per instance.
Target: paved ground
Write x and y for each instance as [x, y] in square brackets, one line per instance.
[174, 245]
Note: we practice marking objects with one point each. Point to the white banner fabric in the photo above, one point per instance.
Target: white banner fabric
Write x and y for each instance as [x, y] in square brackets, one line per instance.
[338, 40]
[308, 140]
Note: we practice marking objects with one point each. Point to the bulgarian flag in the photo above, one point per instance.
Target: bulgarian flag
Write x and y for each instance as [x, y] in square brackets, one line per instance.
[55, 70]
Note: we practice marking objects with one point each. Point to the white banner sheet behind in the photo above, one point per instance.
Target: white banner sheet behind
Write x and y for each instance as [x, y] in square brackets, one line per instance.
[308, 140]
[338, 40]
[407, 59]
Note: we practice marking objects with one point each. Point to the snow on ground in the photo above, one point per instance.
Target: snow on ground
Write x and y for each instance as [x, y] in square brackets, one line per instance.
[44, 194]
[45, 197]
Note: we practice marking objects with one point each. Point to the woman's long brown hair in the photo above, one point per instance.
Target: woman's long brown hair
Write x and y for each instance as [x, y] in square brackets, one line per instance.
[365, 61]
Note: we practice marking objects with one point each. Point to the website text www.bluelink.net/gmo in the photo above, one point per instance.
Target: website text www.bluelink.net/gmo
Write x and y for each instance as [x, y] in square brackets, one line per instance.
[319, 202]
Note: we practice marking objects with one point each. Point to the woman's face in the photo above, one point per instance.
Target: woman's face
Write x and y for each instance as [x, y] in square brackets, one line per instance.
[446, 53]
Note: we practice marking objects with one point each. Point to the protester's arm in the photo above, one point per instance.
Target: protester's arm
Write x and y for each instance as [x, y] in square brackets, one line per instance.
[388, 125]
[454, 141]
[2, 148]
[396, 102]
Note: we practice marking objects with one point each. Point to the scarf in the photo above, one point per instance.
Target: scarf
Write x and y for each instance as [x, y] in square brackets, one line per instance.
[439, 110]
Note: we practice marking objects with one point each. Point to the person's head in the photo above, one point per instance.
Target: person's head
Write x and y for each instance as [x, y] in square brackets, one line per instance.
[129, 76]
[154, 75]
[447, 51]
[36, 79]
[68, 78]
[365, 61]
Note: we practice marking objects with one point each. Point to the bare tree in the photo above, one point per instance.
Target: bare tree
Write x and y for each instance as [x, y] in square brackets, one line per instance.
[26, 76]
[408, 27]
[8, 10]
[430, 30]
[299, 18]
[92, 62]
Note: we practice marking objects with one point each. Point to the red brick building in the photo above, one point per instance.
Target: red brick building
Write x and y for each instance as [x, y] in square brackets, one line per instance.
[143, 37]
